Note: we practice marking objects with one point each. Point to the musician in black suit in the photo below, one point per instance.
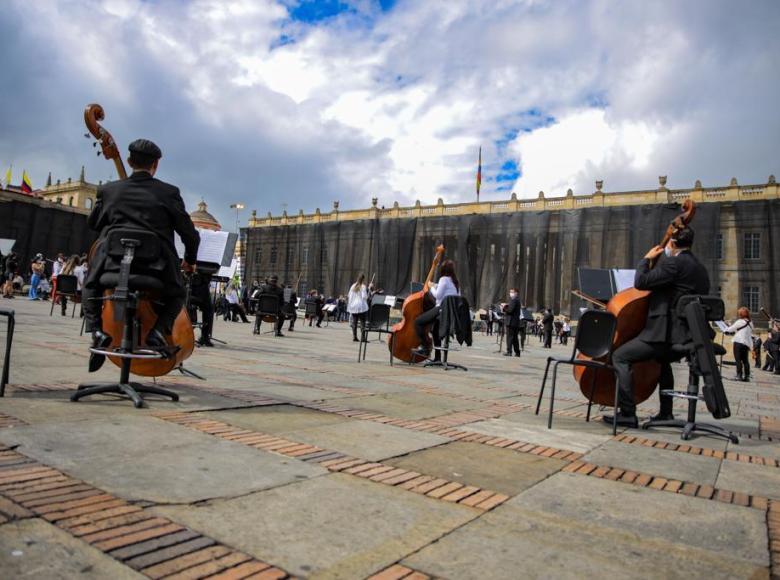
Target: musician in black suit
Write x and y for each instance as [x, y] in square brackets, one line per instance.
[512, 321]
[547, 326]
[272, 287]
[200, 299]
[677, 274]
[290, 306]
[141, 201]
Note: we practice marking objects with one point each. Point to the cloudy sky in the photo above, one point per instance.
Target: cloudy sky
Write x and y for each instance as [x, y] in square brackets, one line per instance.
[293, 104]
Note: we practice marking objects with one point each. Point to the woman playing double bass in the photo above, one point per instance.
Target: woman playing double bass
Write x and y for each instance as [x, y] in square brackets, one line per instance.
[677, 274]
[448, 286]
[141, 201]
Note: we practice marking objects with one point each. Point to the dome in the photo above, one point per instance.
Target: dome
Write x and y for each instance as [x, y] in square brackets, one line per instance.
[203, 219]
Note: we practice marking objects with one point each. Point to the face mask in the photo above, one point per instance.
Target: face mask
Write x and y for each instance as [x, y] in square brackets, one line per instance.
[668, 252]
[512, 295]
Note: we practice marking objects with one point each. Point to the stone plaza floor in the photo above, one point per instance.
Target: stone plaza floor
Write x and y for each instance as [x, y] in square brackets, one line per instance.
[292, 458]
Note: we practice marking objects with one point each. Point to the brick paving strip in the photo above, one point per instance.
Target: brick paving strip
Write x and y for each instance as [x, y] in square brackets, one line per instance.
[692, 450]
[9, 421]
[400, 572]
[434, 487]
[152, 545]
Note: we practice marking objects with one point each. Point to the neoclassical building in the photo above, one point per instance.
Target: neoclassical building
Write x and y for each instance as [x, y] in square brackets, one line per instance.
[535, 245]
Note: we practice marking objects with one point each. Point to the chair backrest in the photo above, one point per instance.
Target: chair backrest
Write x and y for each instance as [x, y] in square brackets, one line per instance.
[595, 332]
[712, 306]
[455, 303]
[379, 315]
[311, 308]
[67, 284]
[268, 304]
[147, 248]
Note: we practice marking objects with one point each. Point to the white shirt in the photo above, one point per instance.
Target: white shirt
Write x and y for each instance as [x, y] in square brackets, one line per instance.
[56, 268]
[357, 299]
[445, 287]
[79, 272]
[232, 297]
[743, 332]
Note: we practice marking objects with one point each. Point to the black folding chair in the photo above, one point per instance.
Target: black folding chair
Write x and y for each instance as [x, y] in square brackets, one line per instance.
[377, 320]
[595, 332]
[9, 339]
[67, 287]
[267, 307]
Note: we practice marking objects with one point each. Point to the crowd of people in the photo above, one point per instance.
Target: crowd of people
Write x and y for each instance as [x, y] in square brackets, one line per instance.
[41, 279]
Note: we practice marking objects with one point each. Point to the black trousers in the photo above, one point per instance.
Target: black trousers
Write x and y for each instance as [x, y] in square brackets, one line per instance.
[358, 317]
[512, 341]
[200, 298]
[292, 317]
[521, 332]
[548, 338]
[489, 329]
[637, 350]
[167, 309]
[428, 317]
[742, 358]
[758, 358]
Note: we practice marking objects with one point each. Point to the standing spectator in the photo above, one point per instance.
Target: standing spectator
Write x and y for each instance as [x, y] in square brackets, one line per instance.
[36, 267]
[341, 309]
[357, 305]
[565, 331]
[235, 309]
[742, 332]
[11, 268]
[547, 326]
[512, 323]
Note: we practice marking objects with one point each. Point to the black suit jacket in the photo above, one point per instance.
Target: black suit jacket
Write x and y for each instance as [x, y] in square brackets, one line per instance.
[141, 201]
[668, 281]
[512, 312]
[276, 290]
[547, 321]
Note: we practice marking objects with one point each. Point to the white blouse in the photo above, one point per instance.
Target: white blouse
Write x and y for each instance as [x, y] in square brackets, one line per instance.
[445, 287]
[743, 332]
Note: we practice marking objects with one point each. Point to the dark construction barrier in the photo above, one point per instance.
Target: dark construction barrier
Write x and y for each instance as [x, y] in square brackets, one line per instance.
[537, 252]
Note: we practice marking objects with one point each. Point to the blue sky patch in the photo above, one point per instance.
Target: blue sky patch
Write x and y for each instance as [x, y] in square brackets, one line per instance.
[317, 10]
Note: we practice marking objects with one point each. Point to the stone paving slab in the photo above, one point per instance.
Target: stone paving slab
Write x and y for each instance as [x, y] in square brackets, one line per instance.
[277, 419]
[148, 459]
[330, 527]
[694, 468]
[481, 465]
[561, 438]
[511, 542]
[367, 440]
[733, 531]
[749, 478]
[35, 549]
[410, 405]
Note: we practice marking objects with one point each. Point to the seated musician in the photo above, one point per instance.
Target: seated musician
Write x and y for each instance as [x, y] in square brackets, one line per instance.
[272, 287]
[448, 286]
[290, 305]
[143, 202]
[677, 274]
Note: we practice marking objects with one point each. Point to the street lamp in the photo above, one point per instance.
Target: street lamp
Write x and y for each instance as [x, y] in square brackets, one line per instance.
[238, 207]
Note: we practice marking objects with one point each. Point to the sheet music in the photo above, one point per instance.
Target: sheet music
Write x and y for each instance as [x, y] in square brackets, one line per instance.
[6, 246]
[623, 279]
[390, 300]
[215, 247]
[721, 325]
[228, 271]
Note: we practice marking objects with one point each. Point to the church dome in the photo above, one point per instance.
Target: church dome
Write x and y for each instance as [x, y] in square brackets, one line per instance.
[203, 219]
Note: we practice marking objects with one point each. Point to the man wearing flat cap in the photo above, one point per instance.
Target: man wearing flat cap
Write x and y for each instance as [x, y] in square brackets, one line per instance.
[143, 202]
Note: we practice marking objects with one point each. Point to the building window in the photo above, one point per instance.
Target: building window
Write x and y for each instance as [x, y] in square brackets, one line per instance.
[274, 253]
[492, 250]
[88, 203]
[258, 256]
[305, 256]
[70, 201]
[751, 298]
[718, 246]
[290, 253]
[752, 246]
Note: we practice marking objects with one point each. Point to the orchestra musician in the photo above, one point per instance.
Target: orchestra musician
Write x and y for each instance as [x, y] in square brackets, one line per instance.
[200, 298]
[140, 201]
[448, 286]
[677, 274]
[272, 287]
[512, 321]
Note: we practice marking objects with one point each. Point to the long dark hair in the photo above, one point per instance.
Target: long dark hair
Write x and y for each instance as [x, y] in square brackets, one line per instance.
[448, 269]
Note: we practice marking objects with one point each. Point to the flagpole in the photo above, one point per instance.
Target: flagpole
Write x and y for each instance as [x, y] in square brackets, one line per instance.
[479, 172]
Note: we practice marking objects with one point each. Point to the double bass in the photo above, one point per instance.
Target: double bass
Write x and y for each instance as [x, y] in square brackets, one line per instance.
[404, 337]
[182, 334]
[630, 307]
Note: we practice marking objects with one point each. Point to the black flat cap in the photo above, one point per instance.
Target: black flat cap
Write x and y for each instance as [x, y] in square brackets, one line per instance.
[145, 147]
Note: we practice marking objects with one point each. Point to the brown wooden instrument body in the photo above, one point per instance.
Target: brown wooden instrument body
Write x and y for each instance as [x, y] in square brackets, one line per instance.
[182, 334]
[630, 307]
[404, 338]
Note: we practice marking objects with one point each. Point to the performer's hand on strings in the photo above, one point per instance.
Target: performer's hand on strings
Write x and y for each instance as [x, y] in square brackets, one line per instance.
[654, 252]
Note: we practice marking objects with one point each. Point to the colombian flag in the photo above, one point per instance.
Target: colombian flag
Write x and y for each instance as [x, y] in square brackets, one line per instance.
[479, 173]
[26, 185]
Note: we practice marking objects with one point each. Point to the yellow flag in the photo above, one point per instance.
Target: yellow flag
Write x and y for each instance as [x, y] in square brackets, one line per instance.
[8, 177]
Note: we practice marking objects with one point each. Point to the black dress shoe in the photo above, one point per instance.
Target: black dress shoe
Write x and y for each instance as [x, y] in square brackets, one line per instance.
[279, 334]
[622, 420]
[156, 339]
[99, 340]
[662, 417]
[421, 352]
[507, 354]
[206, 342]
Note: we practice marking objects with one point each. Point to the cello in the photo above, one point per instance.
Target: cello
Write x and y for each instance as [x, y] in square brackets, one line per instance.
[404, 337]
[182, 334]
[630, 307]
